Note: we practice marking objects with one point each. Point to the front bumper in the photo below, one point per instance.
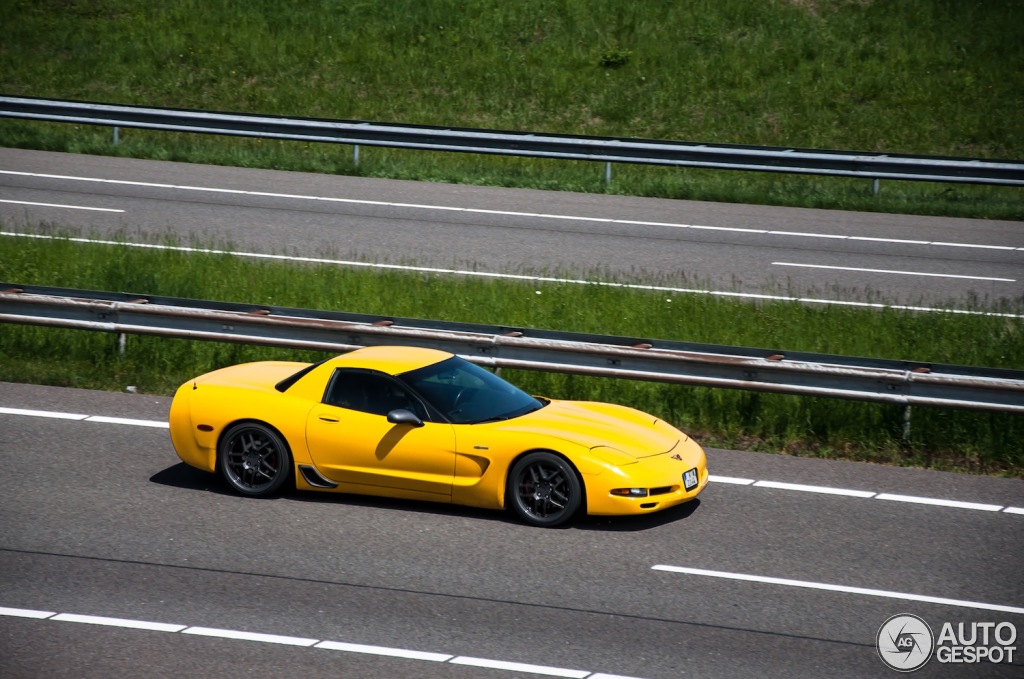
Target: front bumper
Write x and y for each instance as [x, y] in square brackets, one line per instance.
[661, 475]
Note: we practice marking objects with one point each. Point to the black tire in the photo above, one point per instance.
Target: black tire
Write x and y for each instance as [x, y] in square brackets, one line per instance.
[544, 490]
[253, 459]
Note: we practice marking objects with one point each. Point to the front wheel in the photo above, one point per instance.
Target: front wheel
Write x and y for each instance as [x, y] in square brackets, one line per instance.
[253, 459]
[544, 489]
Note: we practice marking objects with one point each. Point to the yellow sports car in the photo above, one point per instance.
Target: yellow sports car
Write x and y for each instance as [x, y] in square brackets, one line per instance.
[427, 425]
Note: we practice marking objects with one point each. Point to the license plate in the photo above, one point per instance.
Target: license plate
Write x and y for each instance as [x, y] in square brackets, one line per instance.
[690, 479]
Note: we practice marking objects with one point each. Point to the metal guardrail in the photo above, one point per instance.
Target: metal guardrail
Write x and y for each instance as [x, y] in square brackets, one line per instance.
[899, 382]
[529, 144]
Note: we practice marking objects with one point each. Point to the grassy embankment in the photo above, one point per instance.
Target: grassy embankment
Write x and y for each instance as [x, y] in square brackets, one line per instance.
[811, 426]
[938, 77]
[920, 76]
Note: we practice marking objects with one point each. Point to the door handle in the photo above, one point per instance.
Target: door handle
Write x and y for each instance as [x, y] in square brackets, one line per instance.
[328, 419]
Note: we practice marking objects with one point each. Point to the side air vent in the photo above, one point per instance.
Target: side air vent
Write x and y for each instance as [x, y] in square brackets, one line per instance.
[313, 477]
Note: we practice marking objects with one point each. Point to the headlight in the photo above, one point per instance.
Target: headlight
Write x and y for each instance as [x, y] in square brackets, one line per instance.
[630, 492]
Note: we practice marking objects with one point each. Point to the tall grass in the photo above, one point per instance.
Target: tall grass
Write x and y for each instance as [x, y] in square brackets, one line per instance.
[918, 76]
[814, 426]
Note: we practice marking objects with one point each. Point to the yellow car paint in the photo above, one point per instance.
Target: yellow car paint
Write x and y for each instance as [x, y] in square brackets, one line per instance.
[608, 446]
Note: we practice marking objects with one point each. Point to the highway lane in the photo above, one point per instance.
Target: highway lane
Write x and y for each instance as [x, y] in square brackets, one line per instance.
[740, 248]
[102, 520]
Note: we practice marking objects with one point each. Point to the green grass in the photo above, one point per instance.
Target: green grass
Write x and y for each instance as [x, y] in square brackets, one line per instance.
[939, 77]
[799, 425]
[935, 77]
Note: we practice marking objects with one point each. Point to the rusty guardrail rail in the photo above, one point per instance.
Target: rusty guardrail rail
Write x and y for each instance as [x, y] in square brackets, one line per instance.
[609, 150]
[888, 381]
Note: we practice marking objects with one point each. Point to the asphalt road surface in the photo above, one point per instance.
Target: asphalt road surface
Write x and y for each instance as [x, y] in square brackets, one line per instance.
[752, 250]
[116, 560]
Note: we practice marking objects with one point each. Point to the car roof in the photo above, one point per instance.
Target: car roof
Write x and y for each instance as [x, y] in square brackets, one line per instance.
[390, 359]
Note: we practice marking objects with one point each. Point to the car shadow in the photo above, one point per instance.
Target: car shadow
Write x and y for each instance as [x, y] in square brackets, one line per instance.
[623, 524]
[185, 477]
[189, 478]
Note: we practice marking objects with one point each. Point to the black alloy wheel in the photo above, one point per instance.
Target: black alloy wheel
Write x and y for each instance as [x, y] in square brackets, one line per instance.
[544, 490]
[253, 459]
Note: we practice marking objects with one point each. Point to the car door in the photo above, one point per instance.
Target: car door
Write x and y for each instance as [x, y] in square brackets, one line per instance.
[352, 442]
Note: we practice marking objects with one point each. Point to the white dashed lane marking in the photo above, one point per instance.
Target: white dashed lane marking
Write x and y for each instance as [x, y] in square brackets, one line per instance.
[259, 637]
[730, 480]
[839, 588]
[940, 503]
[384, 650]
[520, 667]
[827, 490]
[118, 622]
[101, 419]
[895, 272]
[509, 213]
[473, 273]
[864, 494]
[247, 636]
[57, 205]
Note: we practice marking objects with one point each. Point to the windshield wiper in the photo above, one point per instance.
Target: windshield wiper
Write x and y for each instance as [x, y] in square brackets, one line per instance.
[502, 418]
[499, 418]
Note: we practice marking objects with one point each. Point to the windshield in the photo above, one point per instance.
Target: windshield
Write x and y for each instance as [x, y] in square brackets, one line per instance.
[466, 393]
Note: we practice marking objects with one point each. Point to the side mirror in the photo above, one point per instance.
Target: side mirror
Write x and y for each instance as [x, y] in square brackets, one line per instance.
[403, 416]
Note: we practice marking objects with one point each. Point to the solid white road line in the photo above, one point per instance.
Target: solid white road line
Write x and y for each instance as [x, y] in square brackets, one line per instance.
[240, 635]
[69, 207]
[893, 271]
[118, 622]
[1014, 510]
[469, 273]
[840, 588]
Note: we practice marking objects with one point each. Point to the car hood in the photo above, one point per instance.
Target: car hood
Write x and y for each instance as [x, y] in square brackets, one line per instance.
[592, 425]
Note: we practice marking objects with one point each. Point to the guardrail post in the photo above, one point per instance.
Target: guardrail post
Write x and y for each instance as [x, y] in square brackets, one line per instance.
[355, 155]
[117, 135]
[874, 186]
[608, 173]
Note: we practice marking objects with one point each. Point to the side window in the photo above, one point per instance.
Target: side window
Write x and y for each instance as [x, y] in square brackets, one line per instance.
[370, 392]
[347, 390]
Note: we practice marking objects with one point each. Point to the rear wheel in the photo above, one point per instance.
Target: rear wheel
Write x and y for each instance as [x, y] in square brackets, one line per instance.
[253, 459]
[544, 489]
